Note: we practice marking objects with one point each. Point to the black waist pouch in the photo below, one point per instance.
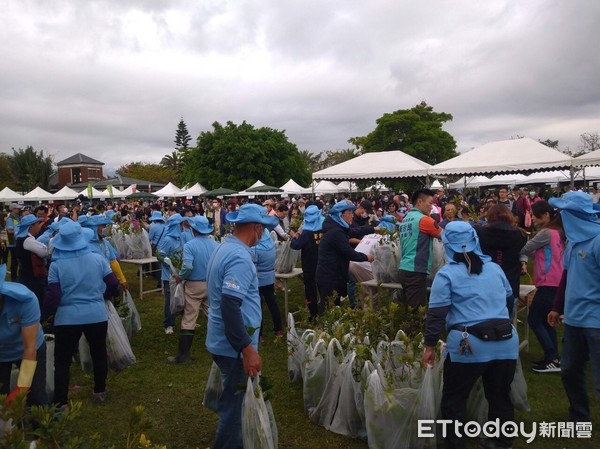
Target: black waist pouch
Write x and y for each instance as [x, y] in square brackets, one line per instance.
[491, 330]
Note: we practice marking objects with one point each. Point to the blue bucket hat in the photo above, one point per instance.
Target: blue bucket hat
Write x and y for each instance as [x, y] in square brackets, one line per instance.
[174, 219]
[252, 213]
[459, 236]
[88, 234]
[577, 202]
[156, 216]
[313, 220]
[200, 224]
[98, 220]
[25, 224]
[110, 214]
[341, 206]
[70, 237]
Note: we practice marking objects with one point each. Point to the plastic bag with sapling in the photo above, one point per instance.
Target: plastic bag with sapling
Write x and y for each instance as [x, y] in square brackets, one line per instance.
[176, 290]
[214, 389]
[256, 423]
[347, 419]
[323, 413]
[285, 257]
[118, 348]
[314, 379]
[296, 352]
[386, 259]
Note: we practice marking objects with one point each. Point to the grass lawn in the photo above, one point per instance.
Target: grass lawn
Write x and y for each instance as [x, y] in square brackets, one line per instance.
[172, 394]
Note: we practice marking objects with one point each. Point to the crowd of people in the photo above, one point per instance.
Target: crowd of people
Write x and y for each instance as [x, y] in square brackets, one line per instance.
[63, 268]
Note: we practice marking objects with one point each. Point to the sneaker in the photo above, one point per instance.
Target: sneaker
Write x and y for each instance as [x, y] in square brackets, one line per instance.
[540, 362]
[169, 330]
[99, 397]
[551, 367]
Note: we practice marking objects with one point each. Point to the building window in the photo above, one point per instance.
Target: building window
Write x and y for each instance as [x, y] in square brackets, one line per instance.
[75, 176]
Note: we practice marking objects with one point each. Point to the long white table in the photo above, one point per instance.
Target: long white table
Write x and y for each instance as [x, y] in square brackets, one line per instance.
[141, 263]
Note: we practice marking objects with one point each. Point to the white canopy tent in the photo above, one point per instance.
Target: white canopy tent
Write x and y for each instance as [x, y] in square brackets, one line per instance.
[469, 182]
[195, 190]
[347, 186]
[291, 188]
[38, 194]
[505, 180]
[505, 156]
[169, 190]
[7, 195]
[96, 194]
[66, 193]
[321, 188]
[379, 186]
[436, 184]
[258, 183]
[123, 193]
[592, 158]
[379, 165]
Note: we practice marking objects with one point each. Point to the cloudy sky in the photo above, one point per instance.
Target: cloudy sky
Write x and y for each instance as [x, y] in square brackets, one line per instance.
[111, 79]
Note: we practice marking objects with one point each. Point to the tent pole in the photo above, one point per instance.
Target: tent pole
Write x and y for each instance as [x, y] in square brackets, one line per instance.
[572, 173]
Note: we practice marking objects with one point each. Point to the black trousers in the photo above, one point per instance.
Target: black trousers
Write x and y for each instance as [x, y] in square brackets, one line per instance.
[414, 288]
[267, 292]
[14, 264]
[66, 343]
[459, 378]
[327, 291]
[310, 293]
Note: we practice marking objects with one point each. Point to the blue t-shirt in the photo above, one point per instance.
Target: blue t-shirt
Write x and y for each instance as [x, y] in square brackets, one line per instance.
[186, 235]
[196, 254]
[82, 288]
[472, 300]
[168, 246]
[104, 248]
[232, 272]
[21, 309]
[156, 229]
[582, 296]
[263, 254]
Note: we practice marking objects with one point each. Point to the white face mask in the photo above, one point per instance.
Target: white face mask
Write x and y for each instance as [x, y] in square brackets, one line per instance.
[365, 215]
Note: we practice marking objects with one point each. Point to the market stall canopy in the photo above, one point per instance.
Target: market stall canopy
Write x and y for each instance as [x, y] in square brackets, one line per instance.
[196, 190]
[505, 180]
[436, 185]
[95, 194]
[116, 193]
[221, 191]
[469, 182]
[66, 193]
[7, 195]
[38, 194]
[169, 190]
[506, 156]
[592, 158]
[292, 188]
[347, 186]
[379, 165]
[322, 187]
[142, 196]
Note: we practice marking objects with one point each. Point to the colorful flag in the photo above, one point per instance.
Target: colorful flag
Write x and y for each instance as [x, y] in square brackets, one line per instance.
[110, 191]
[90, 191]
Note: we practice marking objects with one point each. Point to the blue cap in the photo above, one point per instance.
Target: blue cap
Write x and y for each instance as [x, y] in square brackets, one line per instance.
[156, 216]
[25, 224]
[174, 219]
[460, 237]
[342, 206]
[200, 224]
[576, 202]
[70, 237]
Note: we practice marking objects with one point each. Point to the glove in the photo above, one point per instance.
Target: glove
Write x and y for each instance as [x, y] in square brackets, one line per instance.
[26, 372]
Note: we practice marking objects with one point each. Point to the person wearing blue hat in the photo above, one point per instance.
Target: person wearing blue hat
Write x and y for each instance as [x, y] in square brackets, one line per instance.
[170, 245]
[578, 299]
[335, 254]
[196, 254]
[234, 316]
[102, 246]
[155, 234]
[32, 256]
[471, 295]
[21, 342]
[308, 242]
[78, 283]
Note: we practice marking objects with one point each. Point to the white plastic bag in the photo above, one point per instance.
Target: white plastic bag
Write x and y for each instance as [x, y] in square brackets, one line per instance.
[85, 358]
[118, 349]
[385, 265]
[518, 390]
[314, 378]
[138, 245]
[324, 411]
[49, 366]
[438, 258]
[136, 321]
[296, 353]
[285, 257]
[347, 419]
[214, 389]
[177, 295]
[256, 425]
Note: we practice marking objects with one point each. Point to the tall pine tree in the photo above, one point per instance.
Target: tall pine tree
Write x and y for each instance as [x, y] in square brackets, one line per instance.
[182, 137]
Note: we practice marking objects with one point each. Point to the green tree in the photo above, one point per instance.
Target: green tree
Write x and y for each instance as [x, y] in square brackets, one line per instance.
[173, 161]
[31, 168]
[416, 131]
[330, 158]
[7, 177]
[182, 137]
[235, 156]
[147, 172]
[311, 160]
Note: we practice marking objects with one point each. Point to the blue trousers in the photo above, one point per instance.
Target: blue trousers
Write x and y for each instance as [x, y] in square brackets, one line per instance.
[580, 345]
[546, 334]
[229, 430]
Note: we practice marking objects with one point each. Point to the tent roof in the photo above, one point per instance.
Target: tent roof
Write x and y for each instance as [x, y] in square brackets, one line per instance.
[321, 187]
[292, 187]
[380, 165]
[169, 190]
[66, 193]
[505, 156]
[195, 190]
[7, 194]
[472, 182]
[95, 193]
[347, 186]
[592, 158]
[38, 194]
[505, 180]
